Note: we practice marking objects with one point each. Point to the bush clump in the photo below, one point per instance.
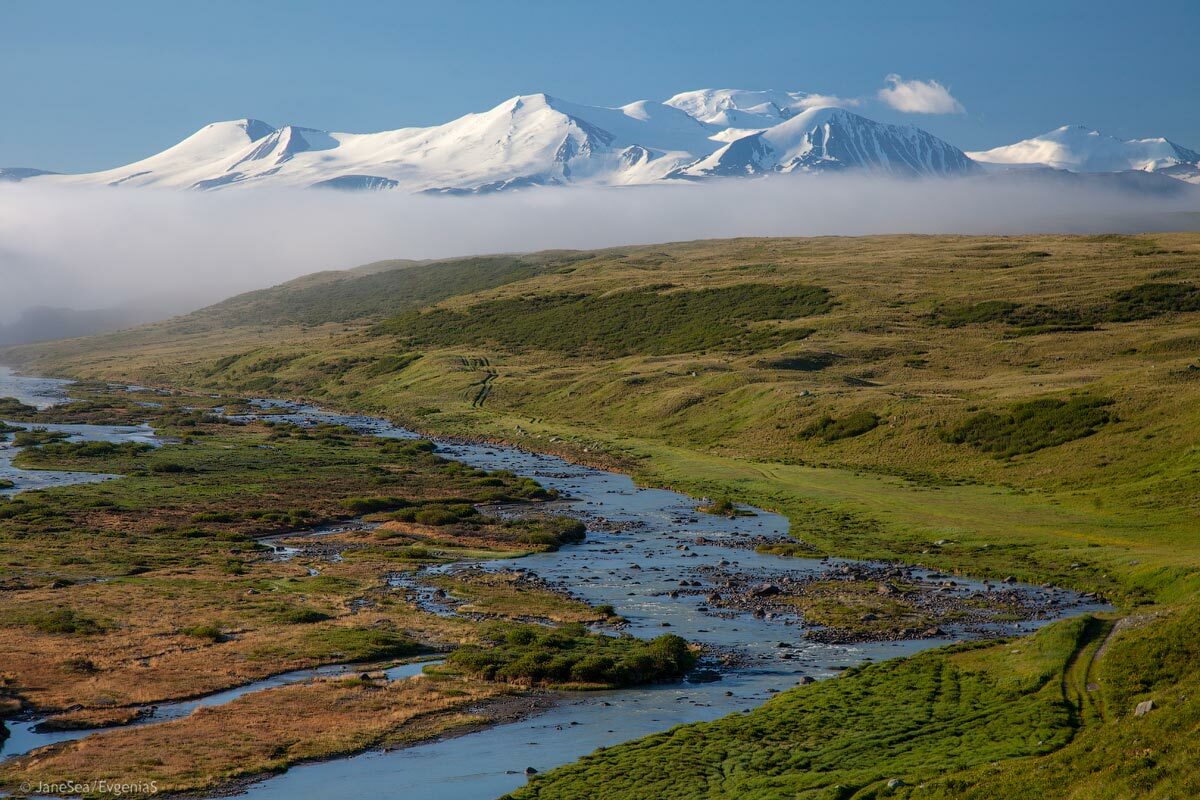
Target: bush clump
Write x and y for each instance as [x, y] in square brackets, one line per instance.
[723, 507]
[802, 362]
[548, 531]
[69, 450]
[646, 320]
[360, 644]
[301, 616]
[372, 505]
[66, 620]
[831, 429]
[531, 655]
[12, 407]
[211, 631]
[1144, 301]
[35, 437]
[1148, 300]
[437, 514]
[1034, 425]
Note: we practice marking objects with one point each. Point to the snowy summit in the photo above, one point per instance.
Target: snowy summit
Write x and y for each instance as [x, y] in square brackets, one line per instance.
[539, 140]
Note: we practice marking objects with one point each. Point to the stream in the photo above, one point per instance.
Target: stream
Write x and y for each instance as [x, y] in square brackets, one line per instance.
[43, 393]
[641, 546]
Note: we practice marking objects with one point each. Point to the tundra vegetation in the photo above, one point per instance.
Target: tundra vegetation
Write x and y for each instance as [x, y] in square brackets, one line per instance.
[155, 587]
[1023, 406]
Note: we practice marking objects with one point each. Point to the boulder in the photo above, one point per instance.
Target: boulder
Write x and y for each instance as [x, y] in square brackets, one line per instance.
[1143, 708]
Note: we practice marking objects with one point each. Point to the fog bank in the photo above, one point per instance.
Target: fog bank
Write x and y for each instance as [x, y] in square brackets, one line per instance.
[100, 248]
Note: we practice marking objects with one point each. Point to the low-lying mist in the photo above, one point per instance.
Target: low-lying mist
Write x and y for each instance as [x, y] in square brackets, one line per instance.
[174, 251]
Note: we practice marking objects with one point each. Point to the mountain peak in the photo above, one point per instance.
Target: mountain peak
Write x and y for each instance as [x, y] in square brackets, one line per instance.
[1079, 148]
[828, 138]
[538, 139]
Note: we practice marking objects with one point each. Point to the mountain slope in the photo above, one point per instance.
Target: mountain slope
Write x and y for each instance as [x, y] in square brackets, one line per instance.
[741, 108]
[527, 140]
[16, 174]
[1081, 149]
[825, 139]
[539, 140]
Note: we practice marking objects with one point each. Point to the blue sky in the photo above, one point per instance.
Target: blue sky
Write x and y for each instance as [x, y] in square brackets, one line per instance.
[88, 85]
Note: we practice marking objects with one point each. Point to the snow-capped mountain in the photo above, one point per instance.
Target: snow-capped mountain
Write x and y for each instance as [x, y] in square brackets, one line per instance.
[14, 174]
[541, 140]
[1080, 149]
[743, 109]
[827, 139]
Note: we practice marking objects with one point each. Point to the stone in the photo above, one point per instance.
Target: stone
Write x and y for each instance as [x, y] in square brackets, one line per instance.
[896, 783]
[765, 590]
[1143, 708]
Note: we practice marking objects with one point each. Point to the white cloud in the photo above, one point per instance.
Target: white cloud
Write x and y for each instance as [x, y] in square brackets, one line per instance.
[823, 100]
[919, 97]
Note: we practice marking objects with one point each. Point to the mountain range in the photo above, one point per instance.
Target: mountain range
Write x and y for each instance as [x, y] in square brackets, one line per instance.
[539, 140]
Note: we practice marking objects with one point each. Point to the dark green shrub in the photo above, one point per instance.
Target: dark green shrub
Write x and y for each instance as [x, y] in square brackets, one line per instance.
[533, 655]
[1035, 425]
[66, 620]
[301, 616]
[38, 436]
[12, 407]
[988, 311]
[212, 632]
[436, 515]
[359, 644]
[643, 320]
[371, 505]
[547, 531]
[1148, 300]
[830, 429]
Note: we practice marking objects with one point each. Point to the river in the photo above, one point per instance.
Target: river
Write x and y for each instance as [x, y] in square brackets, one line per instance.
[641, 544]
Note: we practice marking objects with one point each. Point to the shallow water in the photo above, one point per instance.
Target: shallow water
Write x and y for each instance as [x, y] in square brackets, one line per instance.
[640, 544]
[43, 393]
[37, 392]
[28, 479]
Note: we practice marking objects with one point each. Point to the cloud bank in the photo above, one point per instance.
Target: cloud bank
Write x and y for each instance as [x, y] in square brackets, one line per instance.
[176, 251]
[919, 97]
